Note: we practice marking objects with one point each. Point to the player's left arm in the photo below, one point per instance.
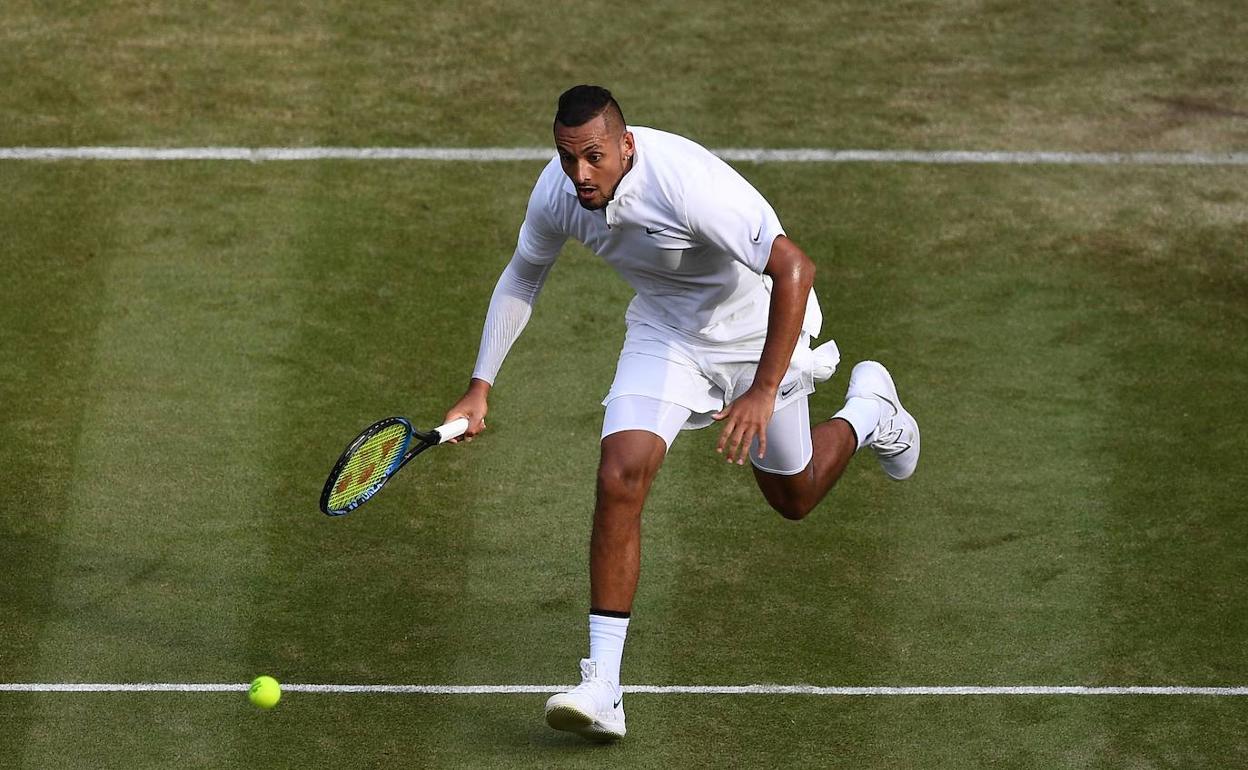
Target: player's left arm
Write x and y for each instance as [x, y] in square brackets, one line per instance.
[792, 274]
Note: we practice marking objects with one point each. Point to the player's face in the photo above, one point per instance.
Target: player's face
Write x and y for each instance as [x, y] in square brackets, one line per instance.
[593, 159]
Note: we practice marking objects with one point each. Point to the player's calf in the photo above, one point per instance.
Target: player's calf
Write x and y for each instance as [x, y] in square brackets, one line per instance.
[793, 504]
[794, 496]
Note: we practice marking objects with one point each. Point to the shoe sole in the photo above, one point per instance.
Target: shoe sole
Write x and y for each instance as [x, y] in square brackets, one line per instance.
[571, 719]
[892, 397]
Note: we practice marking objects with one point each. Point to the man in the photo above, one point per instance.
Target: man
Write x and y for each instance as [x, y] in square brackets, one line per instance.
[719, 330]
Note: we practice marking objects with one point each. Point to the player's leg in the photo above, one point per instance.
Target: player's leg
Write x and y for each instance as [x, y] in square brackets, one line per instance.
[629, 462]
[802, 464]
[794, 479]
[637, 432]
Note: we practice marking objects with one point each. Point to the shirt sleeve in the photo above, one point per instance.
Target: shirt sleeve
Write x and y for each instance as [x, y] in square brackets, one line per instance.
[510, 308]
[541, 238]
[537, 246]
[725, 210]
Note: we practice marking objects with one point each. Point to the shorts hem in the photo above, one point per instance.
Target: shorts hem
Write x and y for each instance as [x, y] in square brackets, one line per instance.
[643, 428]
[780, 473]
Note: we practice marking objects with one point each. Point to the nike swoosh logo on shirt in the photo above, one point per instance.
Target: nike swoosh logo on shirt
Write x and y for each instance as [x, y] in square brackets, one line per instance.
[618, 702]
[785, 393]
[758, 234]
[655, 230]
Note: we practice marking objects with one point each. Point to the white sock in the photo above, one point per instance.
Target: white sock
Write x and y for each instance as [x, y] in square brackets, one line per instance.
[863, 414]
[606, 644]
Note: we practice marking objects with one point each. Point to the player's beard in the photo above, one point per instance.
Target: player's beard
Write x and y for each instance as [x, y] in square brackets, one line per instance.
[595, 204]
[600, 201]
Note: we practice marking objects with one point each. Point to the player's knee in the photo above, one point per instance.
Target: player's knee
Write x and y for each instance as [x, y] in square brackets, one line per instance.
[622, 481]
[793, 511]
[791, 507]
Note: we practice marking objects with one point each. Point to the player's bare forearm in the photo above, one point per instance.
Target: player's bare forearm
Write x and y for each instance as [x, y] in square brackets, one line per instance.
[792, 274]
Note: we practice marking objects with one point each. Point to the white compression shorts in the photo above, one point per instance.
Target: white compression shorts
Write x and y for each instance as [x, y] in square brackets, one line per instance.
[664, 383]
[789, 447]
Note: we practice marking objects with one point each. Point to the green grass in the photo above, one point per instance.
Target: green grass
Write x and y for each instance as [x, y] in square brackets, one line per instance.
[998, 74]
[247, 319]
[185, 348]
[160, 730]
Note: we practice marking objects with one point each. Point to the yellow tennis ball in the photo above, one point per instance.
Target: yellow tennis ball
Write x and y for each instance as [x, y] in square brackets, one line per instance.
[265, 692]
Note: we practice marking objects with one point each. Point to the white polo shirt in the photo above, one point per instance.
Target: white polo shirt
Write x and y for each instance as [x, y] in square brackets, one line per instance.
[686, 231]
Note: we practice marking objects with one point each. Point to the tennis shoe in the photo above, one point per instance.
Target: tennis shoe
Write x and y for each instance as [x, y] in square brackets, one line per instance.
[895, 439]
[593, 709]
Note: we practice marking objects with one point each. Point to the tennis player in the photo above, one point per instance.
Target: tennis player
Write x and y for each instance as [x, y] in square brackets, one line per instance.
[719, 331]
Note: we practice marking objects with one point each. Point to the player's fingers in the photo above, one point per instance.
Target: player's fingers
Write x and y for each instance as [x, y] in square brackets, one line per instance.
[724, 414]
[743, 447]
[739, 433]
[755, 431]
[475, 426]
[723, 437]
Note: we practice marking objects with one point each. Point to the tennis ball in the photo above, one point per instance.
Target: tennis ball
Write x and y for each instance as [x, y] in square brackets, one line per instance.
[265, 692]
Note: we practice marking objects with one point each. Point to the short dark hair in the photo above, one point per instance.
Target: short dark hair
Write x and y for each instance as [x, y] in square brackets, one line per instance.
[581, 104]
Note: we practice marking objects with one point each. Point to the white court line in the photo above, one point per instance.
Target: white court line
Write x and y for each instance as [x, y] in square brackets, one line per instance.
[749, 155]
[748, 689]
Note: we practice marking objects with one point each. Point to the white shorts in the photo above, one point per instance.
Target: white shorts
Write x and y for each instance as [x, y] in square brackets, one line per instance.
[789, 447]
[691, 382]
[702, 378]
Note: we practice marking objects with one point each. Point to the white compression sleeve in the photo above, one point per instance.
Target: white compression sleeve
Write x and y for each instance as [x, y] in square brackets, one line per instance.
[510, 308]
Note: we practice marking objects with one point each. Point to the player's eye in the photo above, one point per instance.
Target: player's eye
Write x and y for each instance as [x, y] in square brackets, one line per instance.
[594, 157]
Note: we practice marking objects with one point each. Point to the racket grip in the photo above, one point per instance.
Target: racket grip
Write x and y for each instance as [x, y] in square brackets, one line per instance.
[453, 429]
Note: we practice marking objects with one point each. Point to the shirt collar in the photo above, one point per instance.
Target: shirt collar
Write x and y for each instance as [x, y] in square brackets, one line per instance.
[630, 186]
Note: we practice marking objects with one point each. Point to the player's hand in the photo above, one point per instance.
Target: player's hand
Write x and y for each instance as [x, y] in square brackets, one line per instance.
[744, 420]
[472, 405]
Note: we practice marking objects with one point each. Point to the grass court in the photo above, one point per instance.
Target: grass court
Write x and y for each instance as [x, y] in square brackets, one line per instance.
[185, 347]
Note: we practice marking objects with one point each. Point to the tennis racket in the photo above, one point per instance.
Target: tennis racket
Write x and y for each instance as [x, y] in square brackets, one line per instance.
[373, 457]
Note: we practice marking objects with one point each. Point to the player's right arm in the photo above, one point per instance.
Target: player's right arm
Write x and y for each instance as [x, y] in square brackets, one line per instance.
[538, 245]
[510, 308]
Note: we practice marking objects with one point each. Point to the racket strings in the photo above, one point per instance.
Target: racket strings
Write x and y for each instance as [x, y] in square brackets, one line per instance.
[369, 465]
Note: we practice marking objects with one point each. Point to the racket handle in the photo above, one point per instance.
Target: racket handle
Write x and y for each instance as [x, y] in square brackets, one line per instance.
[453, 429]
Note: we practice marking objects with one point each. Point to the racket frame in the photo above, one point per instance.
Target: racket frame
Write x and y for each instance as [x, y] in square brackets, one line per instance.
[415, 442]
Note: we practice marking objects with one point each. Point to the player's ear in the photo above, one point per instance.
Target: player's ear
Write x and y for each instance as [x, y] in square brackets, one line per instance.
[626, 146]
